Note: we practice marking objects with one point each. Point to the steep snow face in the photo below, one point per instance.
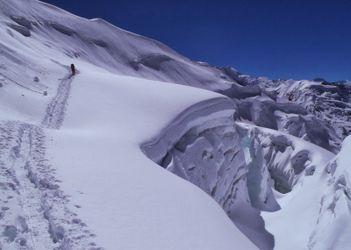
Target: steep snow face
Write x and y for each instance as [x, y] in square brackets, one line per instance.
[100, 43]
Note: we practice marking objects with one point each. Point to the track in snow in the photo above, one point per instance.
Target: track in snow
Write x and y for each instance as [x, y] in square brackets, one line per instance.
[30, 229]
[56, 109]
[34, 212]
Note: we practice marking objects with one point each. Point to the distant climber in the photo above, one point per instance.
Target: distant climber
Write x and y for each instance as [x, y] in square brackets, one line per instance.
[73, 69]
[290, 96]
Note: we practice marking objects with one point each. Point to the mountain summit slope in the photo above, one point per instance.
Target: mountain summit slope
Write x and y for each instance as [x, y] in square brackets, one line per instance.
[83, 157]
[105, 45]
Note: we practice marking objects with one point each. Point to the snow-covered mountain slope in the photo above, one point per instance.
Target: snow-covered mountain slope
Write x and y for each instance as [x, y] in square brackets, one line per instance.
[127, 201]
[105, 45]
[74, 167]
[104, 192]
[72, 172]
[120, 51]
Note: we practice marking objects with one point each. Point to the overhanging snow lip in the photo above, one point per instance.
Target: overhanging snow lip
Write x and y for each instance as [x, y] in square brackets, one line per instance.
[206, 110]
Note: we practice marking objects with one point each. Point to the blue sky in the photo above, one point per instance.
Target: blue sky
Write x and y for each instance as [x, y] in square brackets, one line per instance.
[275, 38]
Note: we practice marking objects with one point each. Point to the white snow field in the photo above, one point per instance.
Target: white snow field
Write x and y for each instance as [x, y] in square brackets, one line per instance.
[126, 199]
[73, 175]
[93, 161]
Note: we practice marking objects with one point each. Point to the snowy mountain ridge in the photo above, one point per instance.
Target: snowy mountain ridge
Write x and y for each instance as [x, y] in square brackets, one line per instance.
[74, 166]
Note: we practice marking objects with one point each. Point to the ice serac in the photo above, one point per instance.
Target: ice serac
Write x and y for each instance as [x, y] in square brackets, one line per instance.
[326, 119]
[285, 157]
[204, 146]
[317, 112]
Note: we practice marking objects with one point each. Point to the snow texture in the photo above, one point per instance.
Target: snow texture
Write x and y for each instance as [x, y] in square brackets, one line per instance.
[79, 154]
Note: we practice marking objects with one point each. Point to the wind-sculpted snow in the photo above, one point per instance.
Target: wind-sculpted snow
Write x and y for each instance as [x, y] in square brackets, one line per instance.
[21, 29]
[203, 146]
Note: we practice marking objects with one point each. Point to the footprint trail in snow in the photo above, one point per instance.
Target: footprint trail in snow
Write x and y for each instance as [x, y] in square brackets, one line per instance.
[34, 211]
